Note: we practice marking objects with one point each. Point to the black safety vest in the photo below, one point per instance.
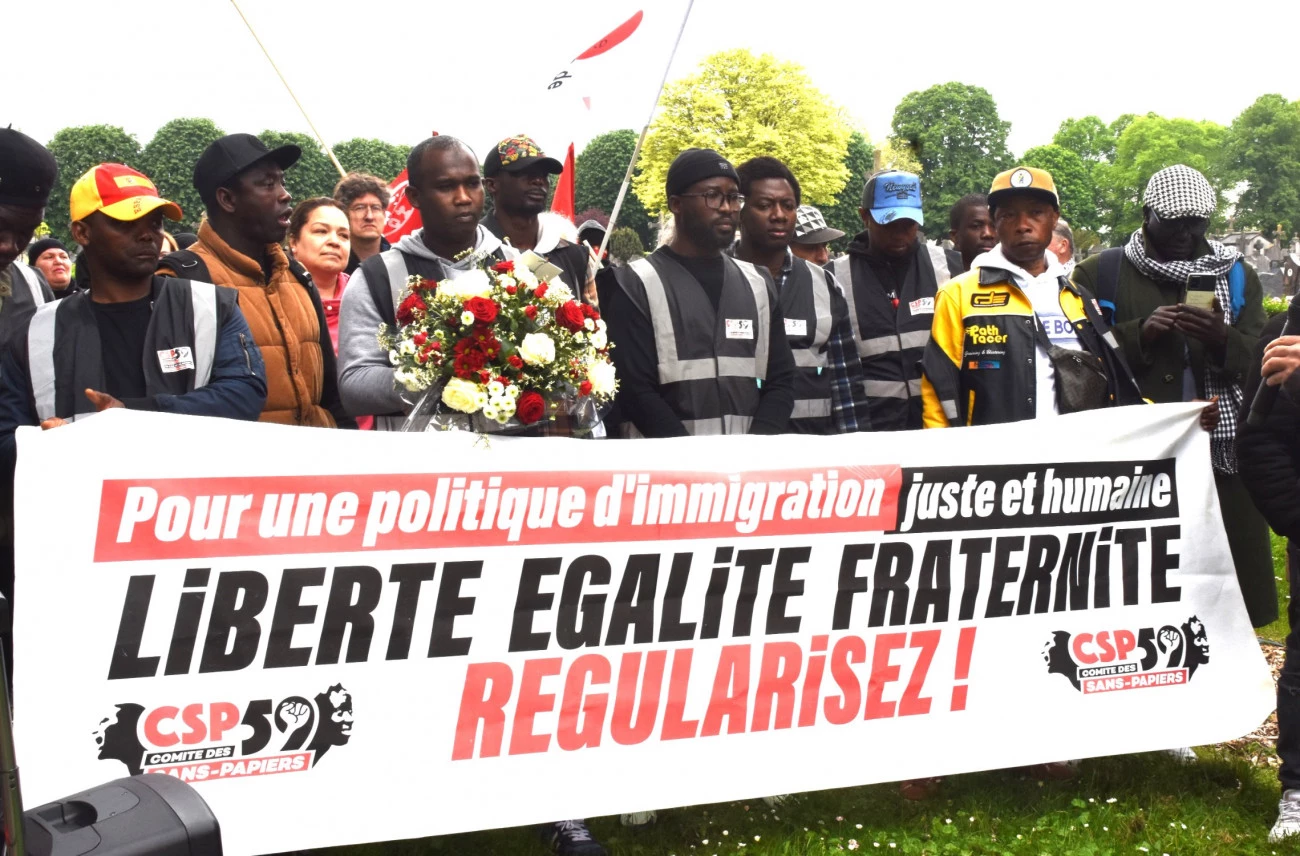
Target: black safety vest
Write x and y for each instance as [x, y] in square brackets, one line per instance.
[711, 362]
[806, 305]
[891, 340]
[64, 355]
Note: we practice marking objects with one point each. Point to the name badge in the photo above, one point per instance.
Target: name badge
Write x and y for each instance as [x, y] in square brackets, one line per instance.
[796, 327]
[922, 306]
[176, 360]
[740, 328]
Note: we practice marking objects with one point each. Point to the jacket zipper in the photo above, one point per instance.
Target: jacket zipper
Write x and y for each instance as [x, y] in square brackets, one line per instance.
[248, 359]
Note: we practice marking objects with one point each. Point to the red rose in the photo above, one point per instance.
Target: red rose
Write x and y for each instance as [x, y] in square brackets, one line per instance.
[408, 307]
[420, 338]
[540, 291]
[590, 311]
[569, 316]
[436, 345]
[584, 388]
[483, 309]
[531, 312]
[504, 267]
[510, 289]
[516, 362]
[531, 407]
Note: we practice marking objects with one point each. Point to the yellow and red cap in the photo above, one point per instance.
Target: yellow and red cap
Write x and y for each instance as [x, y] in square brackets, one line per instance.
[119, 192]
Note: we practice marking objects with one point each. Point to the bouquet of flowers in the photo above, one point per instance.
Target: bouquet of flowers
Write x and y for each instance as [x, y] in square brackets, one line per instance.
[501, 346]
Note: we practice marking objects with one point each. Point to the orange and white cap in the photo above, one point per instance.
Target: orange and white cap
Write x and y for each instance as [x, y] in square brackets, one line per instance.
[120, 192]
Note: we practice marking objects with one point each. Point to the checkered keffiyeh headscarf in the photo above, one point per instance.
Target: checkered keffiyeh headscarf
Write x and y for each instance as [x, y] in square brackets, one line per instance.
[807, 220]
[1175, 192]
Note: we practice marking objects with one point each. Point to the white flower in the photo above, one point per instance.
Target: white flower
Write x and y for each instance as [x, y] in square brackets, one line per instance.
[406, 347]
[598, 339]
[473, 283]
[557, 293]
[496, 389]
[462, 395]
[512, 391]
[393, 357]
[601, 375]
[490, 412]
[408, 379]
[537, 349]
[467, 318]
[589, 323]
[523, 275]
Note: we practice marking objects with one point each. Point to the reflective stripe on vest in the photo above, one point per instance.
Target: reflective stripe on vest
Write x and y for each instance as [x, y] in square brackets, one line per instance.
[40, 359]
[203, 296]
[814, 356]
[395, 264]
[33, 284]
[892, 388]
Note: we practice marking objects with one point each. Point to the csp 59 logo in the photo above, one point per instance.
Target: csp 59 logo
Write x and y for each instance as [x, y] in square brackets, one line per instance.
[220, 740]
[1109, 660]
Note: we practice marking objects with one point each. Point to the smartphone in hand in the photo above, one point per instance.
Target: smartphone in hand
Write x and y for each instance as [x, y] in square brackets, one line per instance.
[1200, 290]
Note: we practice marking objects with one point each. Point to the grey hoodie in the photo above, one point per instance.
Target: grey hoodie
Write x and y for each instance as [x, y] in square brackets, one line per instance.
[366, 382]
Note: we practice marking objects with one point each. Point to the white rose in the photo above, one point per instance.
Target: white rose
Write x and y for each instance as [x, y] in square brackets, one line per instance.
[473, 283]
[462, 395]
[601, 375]
[537, 349]
[599, 340]
[467, 318]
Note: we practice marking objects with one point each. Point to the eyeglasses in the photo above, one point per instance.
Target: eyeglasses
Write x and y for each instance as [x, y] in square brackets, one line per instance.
[1194, 226]
[714, 198]
[366, 209]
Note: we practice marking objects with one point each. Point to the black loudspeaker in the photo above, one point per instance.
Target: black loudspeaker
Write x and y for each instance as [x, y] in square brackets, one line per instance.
[147, 815]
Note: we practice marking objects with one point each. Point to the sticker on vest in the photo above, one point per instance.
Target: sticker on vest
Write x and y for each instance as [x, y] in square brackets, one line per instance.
[176, 359]
[795, 327]
[740, 328]
[922, 306]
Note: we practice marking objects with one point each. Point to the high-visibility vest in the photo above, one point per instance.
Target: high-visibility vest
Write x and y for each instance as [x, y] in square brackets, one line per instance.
[64, 355]
[710, 362]
[891, 339]
[806, 307]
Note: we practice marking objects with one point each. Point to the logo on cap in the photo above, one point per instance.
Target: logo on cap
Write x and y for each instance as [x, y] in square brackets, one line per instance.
[517, 148]
[901, 191]
[1021, 178]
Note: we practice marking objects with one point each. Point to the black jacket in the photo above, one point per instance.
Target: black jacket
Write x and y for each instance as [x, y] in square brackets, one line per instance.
[1268, 457]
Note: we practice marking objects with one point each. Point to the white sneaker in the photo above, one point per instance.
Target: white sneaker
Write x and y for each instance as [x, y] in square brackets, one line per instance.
[638, 819]
[1183, 755]
[1288, 817]
[777, 801]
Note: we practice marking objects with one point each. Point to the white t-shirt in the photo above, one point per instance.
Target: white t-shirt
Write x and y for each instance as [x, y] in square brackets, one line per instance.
[1044, 293]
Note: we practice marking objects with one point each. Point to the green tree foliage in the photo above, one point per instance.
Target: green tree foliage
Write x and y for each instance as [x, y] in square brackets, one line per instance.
[1088, 137]
[1073, 183]
[169, 160]
[1263, 149]
[843, 213]
[959, 138]
[744, 106]
[77, 150]
[599, 169]
[1147, 145]
[625, 244]
[380, 159]
[313, 174]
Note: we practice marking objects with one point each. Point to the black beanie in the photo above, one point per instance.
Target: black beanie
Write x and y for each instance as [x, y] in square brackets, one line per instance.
[35, 250]
[695, 165]
[27, 170]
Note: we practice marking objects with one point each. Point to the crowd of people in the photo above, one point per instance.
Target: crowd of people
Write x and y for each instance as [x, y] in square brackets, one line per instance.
[740, 322]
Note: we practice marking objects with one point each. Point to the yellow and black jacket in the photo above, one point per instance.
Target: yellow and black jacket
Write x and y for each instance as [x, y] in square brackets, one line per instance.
[980, 364]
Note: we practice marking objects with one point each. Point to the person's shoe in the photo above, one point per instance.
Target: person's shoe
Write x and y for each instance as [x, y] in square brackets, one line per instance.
[1288, 817]
[917, 790]
[1053, 771]
[1183, 755]
[638, 819]
[572, 838]
[777, 801]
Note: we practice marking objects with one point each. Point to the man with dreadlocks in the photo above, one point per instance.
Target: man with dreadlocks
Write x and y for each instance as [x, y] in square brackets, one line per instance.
[1181, 353]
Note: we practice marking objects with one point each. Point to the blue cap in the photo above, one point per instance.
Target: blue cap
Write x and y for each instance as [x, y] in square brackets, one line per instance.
[892, 195]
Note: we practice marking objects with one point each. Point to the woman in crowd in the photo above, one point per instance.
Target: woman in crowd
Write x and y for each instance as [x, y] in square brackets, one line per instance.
[318, 240]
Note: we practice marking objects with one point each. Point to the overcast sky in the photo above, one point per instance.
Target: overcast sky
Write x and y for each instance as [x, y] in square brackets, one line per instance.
[397, 69]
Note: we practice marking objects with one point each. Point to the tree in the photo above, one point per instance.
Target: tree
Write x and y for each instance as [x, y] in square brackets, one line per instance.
[382, 160]
[1089, 138]
[169, 160]
[744, 106]
[77, 150]
[1073, 183]
[843, 213]
[313, 174]
[598, 172]
[1263, 150]
[955, 132]
[1147, 145]
[591, 214]
[625, 244]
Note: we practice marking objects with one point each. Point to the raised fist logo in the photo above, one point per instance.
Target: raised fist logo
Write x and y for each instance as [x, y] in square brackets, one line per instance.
[294, 713]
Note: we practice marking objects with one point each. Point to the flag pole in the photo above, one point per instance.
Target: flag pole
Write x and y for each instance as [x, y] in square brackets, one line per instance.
[329, 151]
[636, 151]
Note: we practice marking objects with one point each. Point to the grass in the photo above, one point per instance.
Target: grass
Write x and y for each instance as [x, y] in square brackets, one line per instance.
[1134, 804]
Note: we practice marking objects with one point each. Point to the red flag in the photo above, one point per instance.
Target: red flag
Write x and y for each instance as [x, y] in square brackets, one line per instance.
[563, 201]
[403, 217]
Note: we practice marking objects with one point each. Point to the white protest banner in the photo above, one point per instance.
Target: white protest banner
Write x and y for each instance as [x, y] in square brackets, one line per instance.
[450, 633]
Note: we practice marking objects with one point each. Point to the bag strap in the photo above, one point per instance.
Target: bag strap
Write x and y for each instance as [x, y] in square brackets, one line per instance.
[1108, 265]
[187, 265]
[1237, 288]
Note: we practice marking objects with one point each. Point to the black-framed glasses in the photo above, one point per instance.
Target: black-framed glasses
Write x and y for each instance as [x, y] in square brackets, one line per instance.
[714, 198]
[1194, 226]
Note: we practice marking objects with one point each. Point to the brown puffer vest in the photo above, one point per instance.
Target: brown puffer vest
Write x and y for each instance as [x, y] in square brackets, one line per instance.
[284, 324]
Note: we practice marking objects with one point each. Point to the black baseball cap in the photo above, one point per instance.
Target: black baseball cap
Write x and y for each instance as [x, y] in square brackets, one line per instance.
[515, 154]
[234, 153]
[27, 170]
